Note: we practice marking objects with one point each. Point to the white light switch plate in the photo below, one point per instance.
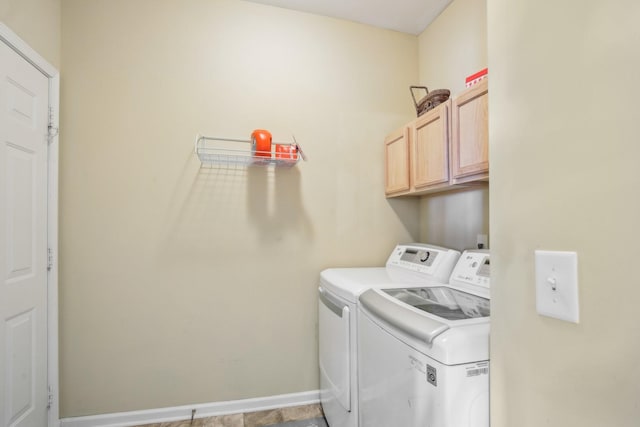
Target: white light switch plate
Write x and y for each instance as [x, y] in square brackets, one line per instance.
[557, 285]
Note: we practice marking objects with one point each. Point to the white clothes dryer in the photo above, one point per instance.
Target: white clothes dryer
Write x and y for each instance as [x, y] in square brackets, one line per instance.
[408, 265]
[423, 352]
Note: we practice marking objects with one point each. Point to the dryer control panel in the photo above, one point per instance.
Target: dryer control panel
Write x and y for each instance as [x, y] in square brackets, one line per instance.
[431, 261]
[473, 268]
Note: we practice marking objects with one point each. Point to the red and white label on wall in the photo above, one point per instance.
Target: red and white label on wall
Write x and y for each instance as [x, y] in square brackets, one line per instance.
[475, 78]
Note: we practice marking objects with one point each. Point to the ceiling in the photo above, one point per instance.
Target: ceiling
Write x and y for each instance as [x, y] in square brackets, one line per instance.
[406, 16]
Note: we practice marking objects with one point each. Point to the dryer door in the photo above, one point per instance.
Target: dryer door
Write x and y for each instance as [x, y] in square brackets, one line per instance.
[335, 340]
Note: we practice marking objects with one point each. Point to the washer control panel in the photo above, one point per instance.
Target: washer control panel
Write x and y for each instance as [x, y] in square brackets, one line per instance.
[430, 262]
[419, 256]
[416, 258]
[473, 268]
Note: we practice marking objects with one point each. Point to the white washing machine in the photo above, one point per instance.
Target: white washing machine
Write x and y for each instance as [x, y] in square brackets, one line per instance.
[423, 352]
[412, 264]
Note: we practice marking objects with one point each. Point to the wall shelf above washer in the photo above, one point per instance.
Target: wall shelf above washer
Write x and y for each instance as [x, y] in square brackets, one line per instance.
[230, 151]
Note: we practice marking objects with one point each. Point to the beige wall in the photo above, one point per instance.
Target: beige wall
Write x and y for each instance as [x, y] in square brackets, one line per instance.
[455, 220]
[564, 176]
[453, 47]
[37, 22]
[180, 284]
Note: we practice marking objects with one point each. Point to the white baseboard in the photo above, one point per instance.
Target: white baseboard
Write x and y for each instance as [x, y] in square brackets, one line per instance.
[133, 418]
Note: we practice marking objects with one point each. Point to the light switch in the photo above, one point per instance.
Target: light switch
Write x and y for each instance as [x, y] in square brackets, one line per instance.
[557, 285]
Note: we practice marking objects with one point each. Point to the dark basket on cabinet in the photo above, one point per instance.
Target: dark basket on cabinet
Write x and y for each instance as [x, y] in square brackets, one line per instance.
[430, 100]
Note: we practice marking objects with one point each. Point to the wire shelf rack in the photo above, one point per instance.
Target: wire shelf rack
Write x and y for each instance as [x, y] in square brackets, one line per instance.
[229, 151]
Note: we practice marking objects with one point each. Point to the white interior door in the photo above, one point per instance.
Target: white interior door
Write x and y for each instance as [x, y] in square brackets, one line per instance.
[23, 242]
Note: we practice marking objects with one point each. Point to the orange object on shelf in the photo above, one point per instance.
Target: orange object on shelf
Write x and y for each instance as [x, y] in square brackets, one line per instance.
[287, 151]
[261, 143]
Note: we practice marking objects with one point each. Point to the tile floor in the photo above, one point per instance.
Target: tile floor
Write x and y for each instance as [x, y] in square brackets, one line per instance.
[297, 416]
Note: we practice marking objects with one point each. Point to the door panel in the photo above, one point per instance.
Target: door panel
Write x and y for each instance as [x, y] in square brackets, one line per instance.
[19, 211]
[23, 242]
[431, 148]
[20, 387]
[470, 134]
[397, 161]
[21, 103]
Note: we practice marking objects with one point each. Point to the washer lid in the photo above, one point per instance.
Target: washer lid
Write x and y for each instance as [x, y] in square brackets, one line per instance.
[423, 328]
[349, 283]
[443, 301]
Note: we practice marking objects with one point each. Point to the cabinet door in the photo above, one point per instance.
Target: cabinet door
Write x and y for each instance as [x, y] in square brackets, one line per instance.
[470, 134]
[430, 153]
[397, 162]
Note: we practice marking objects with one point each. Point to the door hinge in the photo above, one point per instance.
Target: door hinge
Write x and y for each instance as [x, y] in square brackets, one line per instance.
[52, 130]
[49, 259]
[49, 398]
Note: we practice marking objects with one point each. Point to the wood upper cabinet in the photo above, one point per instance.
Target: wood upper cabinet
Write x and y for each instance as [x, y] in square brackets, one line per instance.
[397, 162]
[445, 149]
[470, 134]
[430, 149]
[417, 155]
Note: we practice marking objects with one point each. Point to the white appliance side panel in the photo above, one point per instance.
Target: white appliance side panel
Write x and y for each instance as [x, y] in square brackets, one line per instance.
[348, 283]
[395, 389]
[335, 342]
